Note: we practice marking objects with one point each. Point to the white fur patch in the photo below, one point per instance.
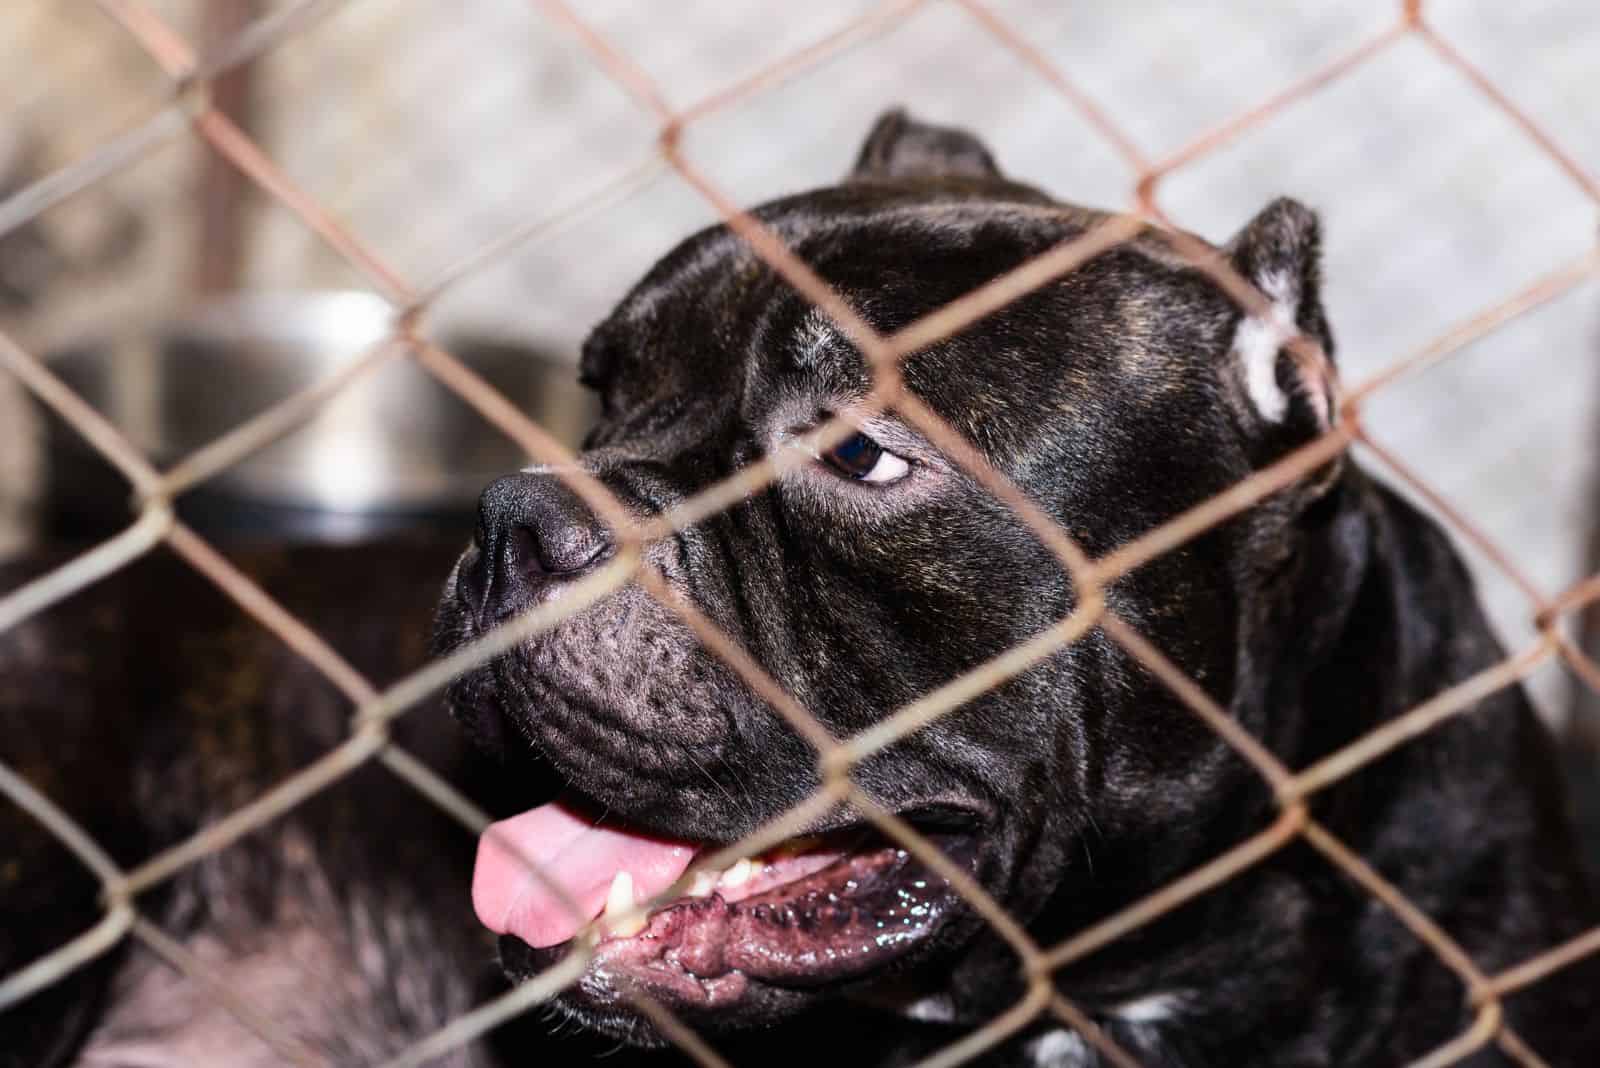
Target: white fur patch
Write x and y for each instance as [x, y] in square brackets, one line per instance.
[1257, 342]
[935, 1008]
[1059, 1049]
[1063, 1048]
[554, 469]
[1154, 1009]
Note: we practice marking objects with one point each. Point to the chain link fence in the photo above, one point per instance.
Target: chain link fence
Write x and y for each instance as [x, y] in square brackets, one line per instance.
[192, 113]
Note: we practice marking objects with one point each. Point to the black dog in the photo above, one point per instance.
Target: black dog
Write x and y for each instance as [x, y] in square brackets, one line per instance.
[1116, 397]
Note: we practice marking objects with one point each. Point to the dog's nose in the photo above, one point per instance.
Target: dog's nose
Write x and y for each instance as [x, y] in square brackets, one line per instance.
[534, 534]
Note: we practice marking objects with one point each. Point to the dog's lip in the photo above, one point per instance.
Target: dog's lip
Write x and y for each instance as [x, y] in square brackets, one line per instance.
[580, 861]
[849, 903]
[860, 912]
[863, 912]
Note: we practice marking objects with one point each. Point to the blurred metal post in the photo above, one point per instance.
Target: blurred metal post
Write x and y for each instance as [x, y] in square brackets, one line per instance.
[224, 190]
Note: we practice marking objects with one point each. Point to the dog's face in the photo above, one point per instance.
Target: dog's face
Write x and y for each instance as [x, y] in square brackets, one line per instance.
[873, 573]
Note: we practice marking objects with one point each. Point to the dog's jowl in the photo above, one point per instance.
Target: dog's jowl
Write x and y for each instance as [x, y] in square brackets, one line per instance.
[875, 570]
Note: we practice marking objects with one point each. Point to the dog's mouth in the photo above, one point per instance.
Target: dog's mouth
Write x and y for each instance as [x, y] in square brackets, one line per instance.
[811, 912]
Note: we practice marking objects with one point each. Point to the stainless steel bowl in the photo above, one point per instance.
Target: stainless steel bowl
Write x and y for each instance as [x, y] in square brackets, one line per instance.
[395, 448]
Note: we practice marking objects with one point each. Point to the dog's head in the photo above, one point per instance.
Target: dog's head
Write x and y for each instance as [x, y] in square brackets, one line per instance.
[876, 571]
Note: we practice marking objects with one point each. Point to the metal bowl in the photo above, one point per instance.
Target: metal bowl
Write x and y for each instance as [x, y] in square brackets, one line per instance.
[394, 449]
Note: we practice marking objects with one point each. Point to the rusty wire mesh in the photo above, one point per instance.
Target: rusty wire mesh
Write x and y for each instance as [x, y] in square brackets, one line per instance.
[190, 111]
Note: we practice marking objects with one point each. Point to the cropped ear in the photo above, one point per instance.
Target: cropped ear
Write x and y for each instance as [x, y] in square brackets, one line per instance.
[1280, 252]
[901, 147]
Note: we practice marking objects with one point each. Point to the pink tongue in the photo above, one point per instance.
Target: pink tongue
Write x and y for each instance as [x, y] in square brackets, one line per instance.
[582, 858]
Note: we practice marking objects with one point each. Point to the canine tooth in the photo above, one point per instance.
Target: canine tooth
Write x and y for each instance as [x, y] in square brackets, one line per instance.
[621, 918]
[630, 926]
[740, 873]
[620, 897]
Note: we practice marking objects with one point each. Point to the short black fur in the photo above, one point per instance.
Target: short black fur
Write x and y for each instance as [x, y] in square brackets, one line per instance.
[1115, 397]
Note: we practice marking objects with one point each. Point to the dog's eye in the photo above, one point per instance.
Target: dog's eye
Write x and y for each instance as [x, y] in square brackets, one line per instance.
[861, 458]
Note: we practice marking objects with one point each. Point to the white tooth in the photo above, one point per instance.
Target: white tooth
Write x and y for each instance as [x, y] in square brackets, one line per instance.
[739, 874]
[621, 918]
[619, 898]
[703, 883]
[629, 926]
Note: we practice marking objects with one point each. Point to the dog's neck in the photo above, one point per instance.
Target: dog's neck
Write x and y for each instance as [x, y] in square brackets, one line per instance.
[1373, 613]
[1386, 610]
